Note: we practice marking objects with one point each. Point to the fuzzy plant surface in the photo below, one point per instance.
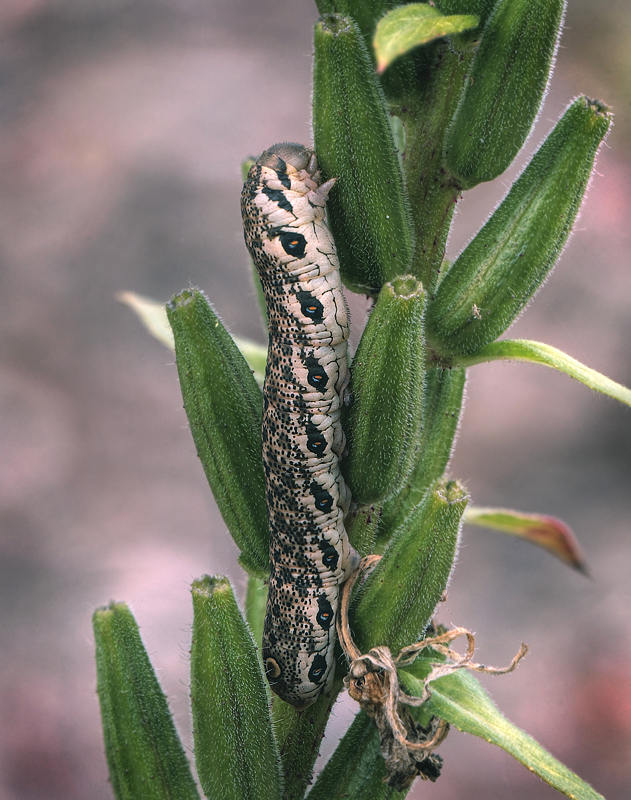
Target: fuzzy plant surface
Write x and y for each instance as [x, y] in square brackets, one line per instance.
[412, 106]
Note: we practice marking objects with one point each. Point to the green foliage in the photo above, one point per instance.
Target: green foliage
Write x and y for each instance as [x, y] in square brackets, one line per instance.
[504, 89]
[413, 25]
[236, 753]
[401, 593]
[385, 421]
[368, 211]
[487, 286]
[461, 95]
[144, 754]
[224, 406]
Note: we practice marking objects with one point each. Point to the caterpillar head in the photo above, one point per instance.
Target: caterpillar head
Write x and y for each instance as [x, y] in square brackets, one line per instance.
[290, 154]
[297, 678]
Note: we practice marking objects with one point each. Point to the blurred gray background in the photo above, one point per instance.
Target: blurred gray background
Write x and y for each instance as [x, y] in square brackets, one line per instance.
[123, 126]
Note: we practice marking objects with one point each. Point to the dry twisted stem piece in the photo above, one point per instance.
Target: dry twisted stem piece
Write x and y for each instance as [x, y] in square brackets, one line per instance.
[373, 682]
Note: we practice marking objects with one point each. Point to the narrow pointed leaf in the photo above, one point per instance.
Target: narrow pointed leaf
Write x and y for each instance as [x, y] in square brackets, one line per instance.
[459, 699]
[144, 754]
[504, 89]
[368, 210]
[400, 595]
[153, 315]
[410, 26]
[539, 353]
[384, 424]
[495, 277]
[235, 749]
[356, 769]
[548, 532]
[224, 406]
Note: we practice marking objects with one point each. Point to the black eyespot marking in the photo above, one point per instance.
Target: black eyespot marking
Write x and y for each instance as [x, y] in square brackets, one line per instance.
[318, 668]
[279, 197]
[272, 669]
[310, 306]
[316, 443]
[330, 556]
[323, 500]
[294, 244]
[316, 376]
[324, 617]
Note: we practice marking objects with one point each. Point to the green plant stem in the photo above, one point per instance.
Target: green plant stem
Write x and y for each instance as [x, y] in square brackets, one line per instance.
[299, 734]
[433, 195]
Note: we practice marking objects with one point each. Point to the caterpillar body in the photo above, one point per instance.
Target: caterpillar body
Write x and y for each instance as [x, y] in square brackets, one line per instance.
[283, 208]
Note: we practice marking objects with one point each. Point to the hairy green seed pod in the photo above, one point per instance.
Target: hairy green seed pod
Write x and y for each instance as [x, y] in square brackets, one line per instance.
[235, 749]
[444, 397]
[368, 209]
[493, 279]
[504, 89]
[400, 595]
[224, 407]
[384, 424]
[144, 754]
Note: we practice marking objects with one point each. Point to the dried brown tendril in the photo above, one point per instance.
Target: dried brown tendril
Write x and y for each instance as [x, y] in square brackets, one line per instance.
[373, 682]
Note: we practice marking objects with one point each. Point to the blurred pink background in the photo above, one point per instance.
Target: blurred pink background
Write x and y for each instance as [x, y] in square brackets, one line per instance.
[123, 126]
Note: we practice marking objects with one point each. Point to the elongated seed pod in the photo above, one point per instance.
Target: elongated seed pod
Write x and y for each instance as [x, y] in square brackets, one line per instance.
[493, 279]
[504, 89]
[144, 754]
[234, 751]
[285, 230]
[223, 404]
[385, 421]
[369, 211]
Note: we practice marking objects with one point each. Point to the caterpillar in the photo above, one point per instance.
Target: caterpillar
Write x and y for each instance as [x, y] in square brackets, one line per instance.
[283, 209]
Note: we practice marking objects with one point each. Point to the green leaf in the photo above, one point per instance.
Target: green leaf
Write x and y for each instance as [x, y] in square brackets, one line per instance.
[459, 699]
[384, 424]
[144, 754]
[493, 279]
[224, 407]
[400, 595]
[504, 89]
[410, 26]
[548, 532]
[153, 315]
[235, 749]
[368, 210]
[539, 353]
[356, 769]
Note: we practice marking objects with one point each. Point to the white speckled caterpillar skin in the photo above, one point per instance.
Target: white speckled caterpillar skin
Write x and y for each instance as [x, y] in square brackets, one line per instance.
[283, 207]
